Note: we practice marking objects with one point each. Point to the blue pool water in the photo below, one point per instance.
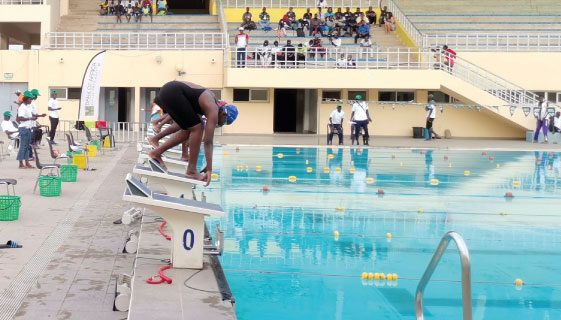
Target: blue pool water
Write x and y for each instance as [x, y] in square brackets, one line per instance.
[282, 260]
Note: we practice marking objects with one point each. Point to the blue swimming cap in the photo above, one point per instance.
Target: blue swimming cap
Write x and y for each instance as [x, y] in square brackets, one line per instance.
[231, 113]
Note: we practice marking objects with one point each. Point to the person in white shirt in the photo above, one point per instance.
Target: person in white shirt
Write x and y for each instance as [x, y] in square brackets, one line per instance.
[8, 126]
[335, 124]
[431, 115]
[321, 4]
[36, 131]
[26, 120]
[264, 54]
[541, 117]
[557, 122]
[342, 62]
[241, 40]
[53, 115]
[361, 117]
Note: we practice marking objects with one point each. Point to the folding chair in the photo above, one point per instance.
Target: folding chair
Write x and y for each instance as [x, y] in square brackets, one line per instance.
[53, 155]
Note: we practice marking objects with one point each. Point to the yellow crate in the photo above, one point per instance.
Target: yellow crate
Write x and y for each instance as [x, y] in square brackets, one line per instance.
[79, 160]
[107, 142]
[92, 151]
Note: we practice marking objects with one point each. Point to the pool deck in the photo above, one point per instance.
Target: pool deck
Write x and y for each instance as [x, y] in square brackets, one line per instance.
[72, 251]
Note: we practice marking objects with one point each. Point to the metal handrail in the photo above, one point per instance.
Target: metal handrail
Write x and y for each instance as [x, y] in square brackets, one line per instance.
[135, 40]
[224, 28]
[297, 3]
[18, 2]
[413, 32]
[496, 41]
[466, 274]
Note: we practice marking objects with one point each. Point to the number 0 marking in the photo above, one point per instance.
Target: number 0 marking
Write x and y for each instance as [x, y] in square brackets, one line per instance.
[190, 246]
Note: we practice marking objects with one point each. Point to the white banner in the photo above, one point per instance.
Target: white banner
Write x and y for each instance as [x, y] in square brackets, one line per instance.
[89, 98]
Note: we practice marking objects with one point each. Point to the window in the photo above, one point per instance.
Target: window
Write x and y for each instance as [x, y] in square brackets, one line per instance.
[67, 93]
[351, 95]
[396, 96]
[331, 96]
[74, 93]
[217, 93]
[552, 97]
[440, 97]
[250, 95]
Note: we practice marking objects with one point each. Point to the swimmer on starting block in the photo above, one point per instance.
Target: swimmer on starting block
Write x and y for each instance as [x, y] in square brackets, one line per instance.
[186, 103]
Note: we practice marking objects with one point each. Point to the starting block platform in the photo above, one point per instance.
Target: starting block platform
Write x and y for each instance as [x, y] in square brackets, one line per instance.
[176, 184]
[176, 300]
[186, 218]
[175, 151]
[173, 164]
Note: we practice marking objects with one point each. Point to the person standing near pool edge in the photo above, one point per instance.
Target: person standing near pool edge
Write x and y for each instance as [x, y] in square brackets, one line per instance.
[361, 117]
[186, 103]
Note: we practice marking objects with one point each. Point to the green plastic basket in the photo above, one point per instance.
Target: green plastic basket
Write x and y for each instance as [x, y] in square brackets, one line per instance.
[69, 173]
[50, 186]
[78, 152]
[96, 143]
[9, 207]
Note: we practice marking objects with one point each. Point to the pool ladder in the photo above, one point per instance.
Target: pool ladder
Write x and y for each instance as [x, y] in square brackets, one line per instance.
[466, 274]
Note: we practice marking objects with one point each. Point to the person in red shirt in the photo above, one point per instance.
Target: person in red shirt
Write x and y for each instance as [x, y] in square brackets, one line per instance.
[449, 55]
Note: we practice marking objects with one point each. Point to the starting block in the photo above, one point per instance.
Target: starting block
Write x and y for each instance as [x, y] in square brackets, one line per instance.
[175, 151]
[173, 164]
[185, 217]
[176, 184]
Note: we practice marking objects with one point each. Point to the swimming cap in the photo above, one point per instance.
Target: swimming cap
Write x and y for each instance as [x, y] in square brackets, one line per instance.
[231, 113]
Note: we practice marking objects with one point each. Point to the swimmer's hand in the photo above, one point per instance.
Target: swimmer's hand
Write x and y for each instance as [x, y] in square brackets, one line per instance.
[207, 177]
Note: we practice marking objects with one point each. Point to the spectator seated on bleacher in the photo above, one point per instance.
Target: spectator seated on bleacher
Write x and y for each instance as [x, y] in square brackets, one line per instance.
[363, 31]
[341, 62]
[351, 63]
[383, 13]
[329, 14]
[371, 16]
[317, 47]
[137, 13]
[315, 26]
[329, 26]
[104, 8]
[119, 11]
[306, 19]
[265, 20]
[247, 24]
[300, 53]
[291, 16]
[289, 54]
[350, 22]
[129, 12]
[264, 54]
[389, 23]
[112, 7]
[321, 4]
[162, 8]
[335, 41]
[283, 25]
[365, 46]
[276, 53]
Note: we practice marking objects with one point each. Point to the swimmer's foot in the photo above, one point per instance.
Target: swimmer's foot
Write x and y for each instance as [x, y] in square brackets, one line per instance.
[153, 143]
[194, 175]
[185, 158]
[152, 155]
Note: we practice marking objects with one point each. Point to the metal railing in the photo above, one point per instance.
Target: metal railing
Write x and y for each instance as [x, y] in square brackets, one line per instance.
[223, 28]
[122, 131]
[135, 41]
[496, 41]
[8, 2]
[299, 3]
[466, 274]
[492, 83]
[409, 27]
[330, 58]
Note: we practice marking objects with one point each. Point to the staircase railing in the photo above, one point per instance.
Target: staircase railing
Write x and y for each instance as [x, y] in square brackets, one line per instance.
[466, 274]
[413, 32]
[223, 28]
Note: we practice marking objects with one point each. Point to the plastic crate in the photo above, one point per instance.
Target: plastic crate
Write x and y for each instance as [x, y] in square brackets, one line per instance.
[107, 142]
[49, 186]
[79, 160]
[92, 151]
[9, 207]
[69, 173]
[97, 144]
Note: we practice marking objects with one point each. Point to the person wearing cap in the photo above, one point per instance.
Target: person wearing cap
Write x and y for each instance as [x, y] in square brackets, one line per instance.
[242, 39]
[26, 120]
[36, 131]
[8, 126]
[361, 117]
[187, 103]
[541, 114]
[53, 114]
[335, 124]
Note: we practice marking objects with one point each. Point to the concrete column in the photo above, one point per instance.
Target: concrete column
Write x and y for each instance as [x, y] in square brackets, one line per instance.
[136, 103]
[421, 96]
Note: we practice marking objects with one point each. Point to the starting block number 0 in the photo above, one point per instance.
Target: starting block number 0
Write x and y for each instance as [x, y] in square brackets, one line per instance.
[192, 239]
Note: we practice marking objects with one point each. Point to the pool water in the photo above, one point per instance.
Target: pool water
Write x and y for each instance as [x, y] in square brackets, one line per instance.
[282, 260]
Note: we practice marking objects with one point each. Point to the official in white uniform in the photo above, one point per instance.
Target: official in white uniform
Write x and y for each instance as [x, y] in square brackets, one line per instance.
[335, 124]
[53, 115]
[26, 120]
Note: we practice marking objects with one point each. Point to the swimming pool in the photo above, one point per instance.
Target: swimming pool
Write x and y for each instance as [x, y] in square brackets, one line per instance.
[282, 260]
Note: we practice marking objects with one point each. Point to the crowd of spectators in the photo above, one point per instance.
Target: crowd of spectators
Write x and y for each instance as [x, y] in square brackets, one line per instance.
[325, 22]
[132, 9]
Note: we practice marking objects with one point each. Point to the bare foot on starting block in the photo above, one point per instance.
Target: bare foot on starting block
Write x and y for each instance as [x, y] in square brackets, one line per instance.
[157, 157]
[195, 175]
